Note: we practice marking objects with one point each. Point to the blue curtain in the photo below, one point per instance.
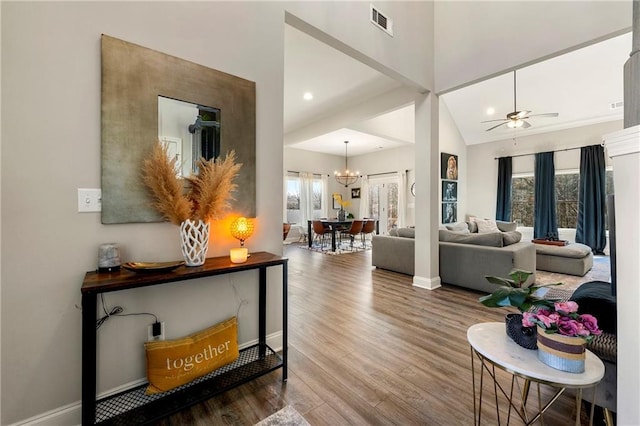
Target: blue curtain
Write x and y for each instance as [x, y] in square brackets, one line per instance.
[503, 203]
[545, 223]
[592, 199]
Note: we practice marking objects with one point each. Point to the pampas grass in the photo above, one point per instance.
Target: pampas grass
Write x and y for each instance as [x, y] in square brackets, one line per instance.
[207, 194]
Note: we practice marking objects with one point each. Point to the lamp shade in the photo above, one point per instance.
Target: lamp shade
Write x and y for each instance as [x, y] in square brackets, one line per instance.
[241, 228]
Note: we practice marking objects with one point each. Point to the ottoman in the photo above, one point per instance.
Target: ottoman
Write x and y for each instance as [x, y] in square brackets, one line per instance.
[572, 259]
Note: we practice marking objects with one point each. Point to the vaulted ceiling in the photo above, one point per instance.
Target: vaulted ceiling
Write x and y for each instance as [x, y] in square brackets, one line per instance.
[351, 101]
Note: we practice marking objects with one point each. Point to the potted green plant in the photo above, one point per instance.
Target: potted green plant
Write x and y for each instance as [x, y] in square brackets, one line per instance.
[514, 292]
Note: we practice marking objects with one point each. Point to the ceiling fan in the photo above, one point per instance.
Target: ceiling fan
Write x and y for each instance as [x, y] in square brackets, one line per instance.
[516, 119]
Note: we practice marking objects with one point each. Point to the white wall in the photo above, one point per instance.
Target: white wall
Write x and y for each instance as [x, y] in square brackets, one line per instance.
[624, 147]
[482, 168]
[51, 147]
[451, 142]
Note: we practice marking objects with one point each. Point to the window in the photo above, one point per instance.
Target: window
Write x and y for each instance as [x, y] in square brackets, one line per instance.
[567, 185]
[522, 190]
[567, 192]
[294, 199]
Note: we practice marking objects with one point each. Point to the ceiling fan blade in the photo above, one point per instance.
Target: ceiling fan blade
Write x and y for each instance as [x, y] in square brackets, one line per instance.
[525, 124]
[496, 126]
[546, 114]
[522, 114]
[493, 121]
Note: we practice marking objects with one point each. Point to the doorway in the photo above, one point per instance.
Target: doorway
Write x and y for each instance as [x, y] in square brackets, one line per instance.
[383, 201]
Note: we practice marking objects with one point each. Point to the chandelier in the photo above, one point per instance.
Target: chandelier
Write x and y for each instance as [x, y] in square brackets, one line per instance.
[346, 178]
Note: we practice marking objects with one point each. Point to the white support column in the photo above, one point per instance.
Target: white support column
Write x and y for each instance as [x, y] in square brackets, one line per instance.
[624, 149]
[427, 179]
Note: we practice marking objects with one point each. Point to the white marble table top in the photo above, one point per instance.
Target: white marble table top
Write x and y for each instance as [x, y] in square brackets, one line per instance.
[491, 341]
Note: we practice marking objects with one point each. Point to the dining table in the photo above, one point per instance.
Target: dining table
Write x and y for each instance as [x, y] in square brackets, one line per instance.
[334, 225]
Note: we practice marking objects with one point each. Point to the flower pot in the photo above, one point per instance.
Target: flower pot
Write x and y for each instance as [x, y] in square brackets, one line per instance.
[342, 215]
[523, 336]
[194, 237]
[563, 353]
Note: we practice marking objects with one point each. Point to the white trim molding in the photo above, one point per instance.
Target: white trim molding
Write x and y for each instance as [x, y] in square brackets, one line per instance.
[428, 283]
[622, 142]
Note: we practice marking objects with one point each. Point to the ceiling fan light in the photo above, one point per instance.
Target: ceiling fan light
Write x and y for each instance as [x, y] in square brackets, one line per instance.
[515, 124]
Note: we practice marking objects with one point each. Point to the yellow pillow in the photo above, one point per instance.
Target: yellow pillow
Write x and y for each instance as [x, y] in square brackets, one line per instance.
[171, 363]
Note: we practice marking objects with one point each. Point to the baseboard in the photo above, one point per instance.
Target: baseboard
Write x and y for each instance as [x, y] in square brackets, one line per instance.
[71, 414]
[428, 283]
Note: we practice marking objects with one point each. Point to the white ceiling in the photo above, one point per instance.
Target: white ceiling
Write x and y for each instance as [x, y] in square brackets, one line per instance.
[339, 84]
[579, 86]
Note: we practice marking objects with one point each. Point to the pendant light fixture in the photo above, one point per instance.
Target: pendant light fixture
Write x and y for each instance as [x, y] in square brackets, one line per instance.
[346, 178]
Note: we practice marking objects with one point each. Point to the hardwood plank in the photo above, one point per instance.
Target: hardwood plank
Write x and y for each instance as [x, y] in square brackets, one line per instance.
[366, 347]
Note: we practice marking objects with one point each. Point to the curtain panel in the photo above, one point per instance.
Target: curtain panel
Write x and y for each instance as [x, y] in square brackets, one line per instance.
[503, 202]
[545, 222]
[590, 229]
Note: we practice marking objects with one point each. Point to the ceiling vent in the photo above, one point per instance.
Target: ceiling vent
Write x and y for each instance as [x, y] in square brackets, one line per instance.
[381, 21]
[616, 105]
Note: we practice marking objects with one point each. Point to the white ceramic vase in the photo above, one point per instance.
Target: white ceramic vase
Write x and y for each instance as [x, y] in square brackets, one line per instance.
[194, 236]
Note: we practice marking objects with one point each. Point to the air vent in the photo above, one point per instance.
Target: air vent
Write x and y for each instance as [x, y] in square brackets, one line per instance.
[381, 21]
[616, 105]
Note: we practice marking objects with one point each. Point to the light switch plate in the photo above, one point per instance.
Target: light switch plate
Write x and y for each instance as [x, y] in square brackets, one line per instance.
[89, 200]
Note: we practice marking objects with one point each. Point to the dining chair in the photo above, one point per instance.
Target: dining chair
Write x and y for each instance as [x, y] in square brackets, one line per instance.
[286, 227]
[320, 231]
[356, 228]
[368, 227]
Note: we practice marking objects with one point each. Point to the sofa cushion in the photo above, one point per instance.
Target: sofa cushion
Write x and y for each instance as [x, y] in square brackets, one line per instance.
[486, 226]
[473, 227]
[493, 239]
[393, 232]
[461, 228]
[506, 226]
[574, 250]
[511, 237]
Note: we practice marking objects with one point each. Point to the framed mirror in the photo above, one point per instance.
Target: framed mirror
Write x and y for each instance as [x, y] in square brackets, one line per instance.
[137, 84]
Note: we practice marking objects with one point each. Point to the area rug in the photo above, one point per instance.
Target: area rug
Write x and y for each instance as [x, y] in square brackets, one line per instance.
[286, 416]
[341, 248]
[601, 271]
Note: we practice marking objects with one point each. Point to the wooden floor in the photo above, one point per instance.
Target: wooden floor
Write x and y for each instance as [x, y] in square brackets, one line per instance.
[366, 347]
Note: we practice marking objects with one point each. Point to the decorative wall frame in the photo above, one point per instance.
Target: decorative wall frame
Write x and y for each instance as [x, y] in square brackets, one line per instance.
[355, 193]
[449, 212]
[448, 166]
[132, 79]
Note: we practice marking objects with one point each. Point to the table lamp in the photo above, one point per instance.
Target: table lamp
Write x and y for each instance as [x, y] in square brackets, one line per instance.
[241, 228]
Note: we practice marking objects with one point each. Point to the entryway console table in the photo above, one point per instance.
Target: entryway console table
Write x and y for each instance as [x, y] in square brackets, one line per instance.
[490, 344]
[134, 406]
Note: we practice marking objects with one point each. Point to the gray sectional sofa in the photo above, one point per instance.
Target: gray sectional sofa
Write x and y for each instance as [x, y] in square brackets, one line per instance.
[465, 258]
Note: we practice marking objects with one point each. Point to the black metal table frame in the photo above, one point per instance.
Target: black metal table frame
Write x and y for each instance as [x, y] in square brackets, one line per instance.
[212, 267]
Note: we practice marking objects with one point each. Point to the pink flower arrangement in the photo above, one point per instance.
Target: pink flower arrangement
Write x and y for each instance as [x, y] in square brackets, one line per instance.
[563, 319]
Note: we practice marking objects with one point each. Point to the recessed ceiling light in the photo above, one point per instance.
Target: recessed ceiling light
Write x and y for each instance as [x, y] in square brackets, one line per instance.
[308, 96]
[490, 111]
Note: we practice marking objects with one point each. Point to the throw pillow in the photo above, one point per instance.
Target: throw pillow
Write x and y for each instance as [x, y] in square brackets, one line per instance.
[393, 232]
[458, 227]
[511, 237]
[486, 225]
[407, 232]
[473, 226]
[595, 298]
[506, 226]
[493, 239]
[171, 363]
